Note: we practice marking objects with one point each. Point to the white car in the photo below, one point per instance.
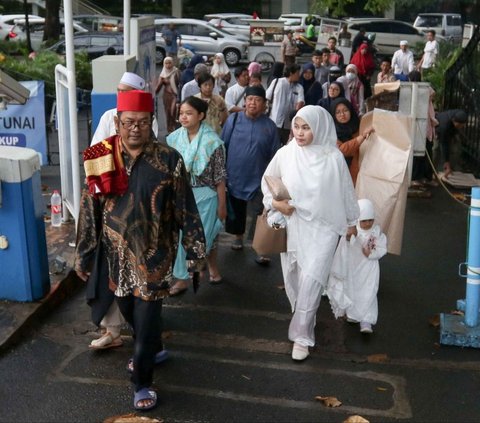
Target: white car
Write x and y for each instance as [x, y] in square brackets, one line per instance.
[204, 39]
[389, 33]
[36, 30]
[7, 23]
[297, 22]
[446, 25]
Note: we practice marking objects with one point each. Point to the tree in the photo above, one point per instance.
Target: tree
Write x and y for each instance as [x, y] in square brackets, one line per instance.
[27, 26]
[341, 7]
[52, 29]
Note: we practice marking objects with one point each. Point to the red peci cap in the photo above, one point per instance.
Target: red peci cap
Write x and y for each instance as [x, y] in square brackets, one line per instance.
[134, 101]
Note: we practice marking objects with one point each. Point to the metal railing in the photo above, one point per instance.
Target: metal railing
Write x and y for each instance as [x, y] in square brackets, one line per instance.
[68, 141]
[462, 91]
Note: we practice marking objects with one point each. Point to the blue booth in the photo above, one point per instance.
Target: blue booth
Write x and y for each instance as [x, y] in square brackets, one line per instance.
[24, 272]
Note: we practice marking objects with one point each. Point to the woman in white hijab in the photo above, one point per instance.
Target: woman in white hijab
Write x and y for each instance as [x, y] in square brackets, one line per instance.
[221, 73]
[169, 79]
[323, 207]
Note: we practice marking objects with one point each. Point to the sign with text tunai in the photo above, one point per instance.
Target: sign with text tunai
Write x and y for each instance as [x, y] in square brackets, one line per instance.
[24, 125]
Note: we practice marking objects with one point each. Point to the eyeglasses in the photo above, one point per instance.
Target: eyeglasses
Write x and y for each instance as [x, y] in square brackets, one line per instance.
[342, 112]
[130, 125]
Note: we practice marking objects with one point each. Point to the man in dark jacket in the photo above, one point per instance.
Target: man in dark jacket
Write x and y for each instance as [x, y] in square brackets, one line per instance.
[449, 123]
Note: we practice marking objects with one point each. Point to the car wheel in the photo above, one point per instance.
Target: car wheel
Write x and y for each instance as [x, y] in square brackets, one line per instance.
[159, 55]
[266, 60]
[232, 56]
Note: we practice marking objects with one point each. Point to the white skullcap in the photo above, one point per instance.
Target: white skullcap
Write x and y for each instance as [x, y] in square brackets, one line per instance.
[404, 43]
[133, 80]
[367, 211]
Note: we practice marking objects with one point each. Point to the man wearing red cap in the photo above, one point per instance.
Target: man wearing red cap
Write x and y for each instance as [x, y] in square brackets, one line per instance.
[137, 201]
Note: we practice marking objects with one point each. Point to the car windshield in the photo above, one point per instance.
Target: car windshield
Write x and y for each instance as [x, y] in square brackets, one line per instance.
[428, 21]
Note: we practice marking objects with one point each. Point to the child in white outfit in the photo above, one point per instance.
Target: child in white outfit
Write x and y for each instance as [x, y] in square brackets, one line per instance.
[355, 273]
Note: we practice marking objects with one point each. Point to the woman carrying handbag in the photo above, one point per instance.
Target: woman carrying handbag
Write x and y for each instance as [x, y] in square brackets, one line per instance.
[312, 169]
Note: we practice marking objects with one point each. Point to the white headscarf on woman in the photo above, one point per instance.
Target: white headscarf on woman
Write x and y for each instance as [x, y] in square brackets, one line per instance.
[169, 74]
[221, 68]
[315, 179]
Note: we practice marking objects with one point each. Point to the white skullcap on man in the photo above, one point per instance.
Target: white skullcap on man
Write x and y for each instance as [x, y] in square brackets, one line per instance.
[404, 43]
[367, 211]
[133, 80]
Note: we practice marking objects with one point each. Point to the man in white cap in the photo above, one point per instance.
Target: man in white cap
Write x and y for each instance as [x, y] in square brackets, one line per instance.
[402, 62]
[106, 125]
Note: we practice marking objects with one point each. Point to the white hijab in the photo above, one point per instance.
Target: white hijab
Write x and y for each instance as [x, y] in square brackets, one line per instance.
[316, 177]
[169, 74]
[221, 68]
[367, 212]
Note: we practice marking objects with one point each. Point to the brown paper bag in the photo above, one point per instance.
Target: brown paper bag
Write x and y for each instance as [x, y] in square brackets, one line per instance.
[384, 171]
[277, 188]
[268, 240]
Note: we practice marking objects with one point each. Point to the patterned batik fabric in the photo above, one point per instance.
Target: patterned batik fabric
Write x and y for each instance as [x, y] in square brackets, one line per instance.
[140, 229]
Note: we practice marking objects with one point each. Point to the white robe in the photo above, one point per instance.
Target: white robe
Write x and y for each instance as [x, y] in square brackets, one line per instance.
[354, 278]
[319, 183]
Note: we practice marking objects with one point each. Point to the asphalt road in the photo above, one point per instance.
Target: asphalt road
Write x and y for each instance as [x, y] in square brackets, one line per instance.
[230, 357]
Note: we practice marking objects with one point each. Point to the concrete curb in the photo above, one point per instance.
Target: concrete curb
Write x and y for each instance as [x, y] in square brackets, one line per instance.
[17, 318]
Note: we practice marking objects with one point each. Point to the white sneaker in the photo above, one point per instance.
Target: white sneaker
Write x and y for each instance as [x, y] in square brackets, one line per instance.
[366, 327]
[299, 352]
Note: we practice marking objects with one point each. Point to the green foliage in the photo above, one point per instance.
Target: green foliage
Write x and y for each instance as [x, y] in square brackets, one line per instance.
[13, 47]
[378, 6]
[335, 8]
[42, 68]
[338, 8]
[448, 54]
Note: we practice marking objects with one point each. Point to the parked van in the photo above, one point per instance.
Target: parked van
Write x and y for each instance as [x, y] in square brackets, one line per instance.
[447, 25]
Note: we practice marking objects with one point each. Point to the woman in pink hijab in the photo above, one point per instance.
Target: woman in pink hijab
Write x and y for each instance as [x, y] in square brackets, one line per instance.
[254, 67]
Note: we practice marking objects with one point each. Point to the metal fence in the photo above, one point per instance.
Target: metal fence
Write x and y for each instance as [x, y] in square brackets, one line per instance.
[462, 91]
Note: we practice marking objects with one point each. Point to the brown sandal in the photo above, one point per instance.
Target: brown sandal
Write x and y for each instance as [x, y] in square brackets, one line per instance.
[178, 288]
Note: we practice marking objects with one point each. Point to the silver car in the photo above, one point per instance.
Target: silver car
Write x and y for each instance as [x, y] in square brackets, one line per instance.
[36, 30]
[204, 39]
[389, 33]
[234, 23]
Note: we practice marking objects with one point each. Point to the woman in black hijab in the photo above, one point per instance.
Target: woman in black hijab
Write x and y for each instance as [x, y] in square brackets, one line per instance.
[276, 72]
[347, 125]
[312, 89]
[335, 90]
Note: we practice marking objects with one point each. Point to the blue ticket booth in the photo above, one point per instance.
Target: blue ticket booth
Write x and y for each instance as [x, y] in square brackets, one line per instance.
[24, 272]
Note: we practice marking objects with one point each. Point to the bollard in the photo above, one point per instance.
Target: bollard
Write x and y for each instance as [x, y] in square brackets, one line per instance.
[472, 299]
[464, 331]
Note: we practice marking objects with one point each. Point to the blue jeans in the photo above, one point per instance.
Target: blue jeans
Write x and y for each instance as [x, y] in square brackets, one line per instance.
[401, 76]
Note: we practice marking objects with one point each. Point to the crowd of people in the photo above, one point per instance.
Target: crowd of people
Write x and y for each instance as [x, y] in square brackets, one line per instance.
[152, 210]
